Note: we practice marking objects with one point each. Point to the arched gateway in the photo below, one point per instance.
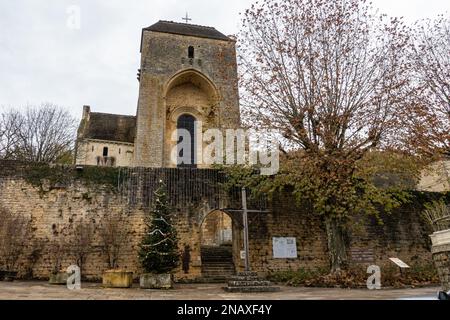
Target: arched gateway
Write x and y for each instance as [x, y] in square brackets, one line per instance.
[220, 245]
[207, 217]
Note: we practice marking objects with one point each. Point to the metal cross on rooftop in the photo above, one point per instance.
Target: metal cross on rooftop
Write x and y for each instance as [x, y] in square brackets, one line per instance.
[187, 19]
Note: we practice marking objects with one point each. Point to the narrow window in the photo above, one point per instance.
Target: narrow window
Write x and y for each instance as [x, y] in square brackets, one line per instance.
[186, 150]
[120, 151]
[92, 148]
[191, 52]
[105, 151]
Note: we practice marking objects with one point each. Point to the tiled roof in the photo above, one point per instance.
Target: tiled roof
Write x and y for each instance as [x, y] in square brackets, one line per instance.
[111, 127]
[187, 30]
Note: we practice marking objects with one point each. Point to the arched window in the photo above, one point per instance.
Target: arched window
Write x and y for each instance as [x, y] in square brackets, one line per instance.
[191, 52]
[105, 151]
[186, 141]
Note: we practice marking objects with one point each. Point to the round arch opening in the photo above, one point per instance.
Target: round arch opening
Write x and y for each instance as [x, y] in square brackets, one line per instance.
[188, 92]
[217, 229]
[218, 254]
[195, 78]
[187, 141]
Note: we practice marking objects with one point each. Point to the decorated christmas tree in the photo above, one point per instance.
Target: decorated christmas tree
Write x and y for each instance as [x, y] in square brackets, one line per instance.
[159, 248]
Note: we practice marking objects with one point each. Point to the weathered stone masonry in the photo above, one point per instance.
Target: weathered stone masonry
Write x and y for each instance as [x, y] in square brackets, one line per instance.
[53, 208]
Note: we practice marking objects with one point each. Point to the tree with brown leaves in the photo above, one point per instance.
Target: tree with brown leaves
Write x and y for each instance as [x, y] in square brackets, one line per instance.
[332, 77]
[430, 59]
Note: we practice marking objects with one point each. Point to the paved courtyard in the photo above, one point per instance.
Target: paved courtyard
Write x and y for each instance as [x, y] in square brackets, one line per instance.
[43, 291]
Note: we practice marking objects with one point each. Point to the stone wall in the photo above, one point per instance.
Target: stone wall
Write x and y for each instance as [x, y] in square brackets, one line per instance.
[402, 234]
[55, 208]
[441, 257]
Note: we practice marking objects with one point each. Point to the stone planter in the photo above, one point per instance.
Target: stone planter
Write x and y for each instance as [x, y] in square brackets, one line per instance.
[156, 281]
[441, 256]
[117, 279]
[59, 278]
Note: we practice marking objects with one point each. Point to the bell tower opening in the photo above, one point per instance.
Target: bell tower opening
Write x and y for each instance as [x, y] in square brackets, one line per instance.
[191, 52]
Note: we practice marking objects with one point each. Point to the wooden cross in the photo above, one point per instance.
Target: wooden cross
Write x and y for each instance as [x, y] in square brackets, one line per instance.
[245, 212]
[187, 19]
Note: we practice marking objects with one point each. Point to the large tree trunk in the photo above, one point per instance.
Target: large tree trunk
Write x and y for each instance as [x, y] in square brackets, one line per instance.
[336, 244]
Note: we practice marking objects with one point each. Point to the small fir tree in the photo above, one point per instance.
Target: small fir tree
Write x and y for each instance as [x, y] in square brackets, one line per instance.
[159, 248]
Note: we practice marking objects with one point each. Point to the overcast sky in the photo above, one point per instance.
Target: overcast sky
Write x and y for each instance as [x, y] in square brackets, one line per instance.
[42, 59]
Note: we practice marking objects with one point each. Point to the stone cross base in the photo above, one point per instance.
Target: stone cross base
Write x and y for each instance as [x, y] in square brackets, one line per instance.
[249, 282]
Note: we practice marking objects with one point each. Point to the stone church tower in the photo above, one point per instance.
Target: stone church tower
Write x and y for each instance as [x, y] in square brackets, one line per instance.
[188, 75]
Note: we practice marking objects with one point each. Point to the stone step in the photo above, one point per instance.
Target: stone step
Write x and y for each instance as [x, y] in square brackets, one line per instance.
[248, 281]
[247, 274]
[214, 279]
[222, 265]
[248, 289]
[218, 273]
[253, 283]
[222, 276]
[247, 278]
[217, 253]
[217, 263]
[216, 256]
[208, 279]
[217, 269]
[216, 250]
[225, 276]
[227, 247]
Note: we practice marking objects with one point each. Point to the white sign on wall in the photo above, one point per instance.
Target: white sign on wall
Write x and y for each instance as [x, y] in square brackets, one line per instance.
[284, 248]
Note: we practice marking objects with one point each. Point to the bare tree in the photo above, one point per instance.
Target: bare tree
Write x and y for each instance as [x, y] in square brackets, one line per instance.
[82, 241]
[10, 123]
[113, 235]
[58, 250]
[14, 232]
[431, 60]
[36, 249]
[332, 77]
[40, 134]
